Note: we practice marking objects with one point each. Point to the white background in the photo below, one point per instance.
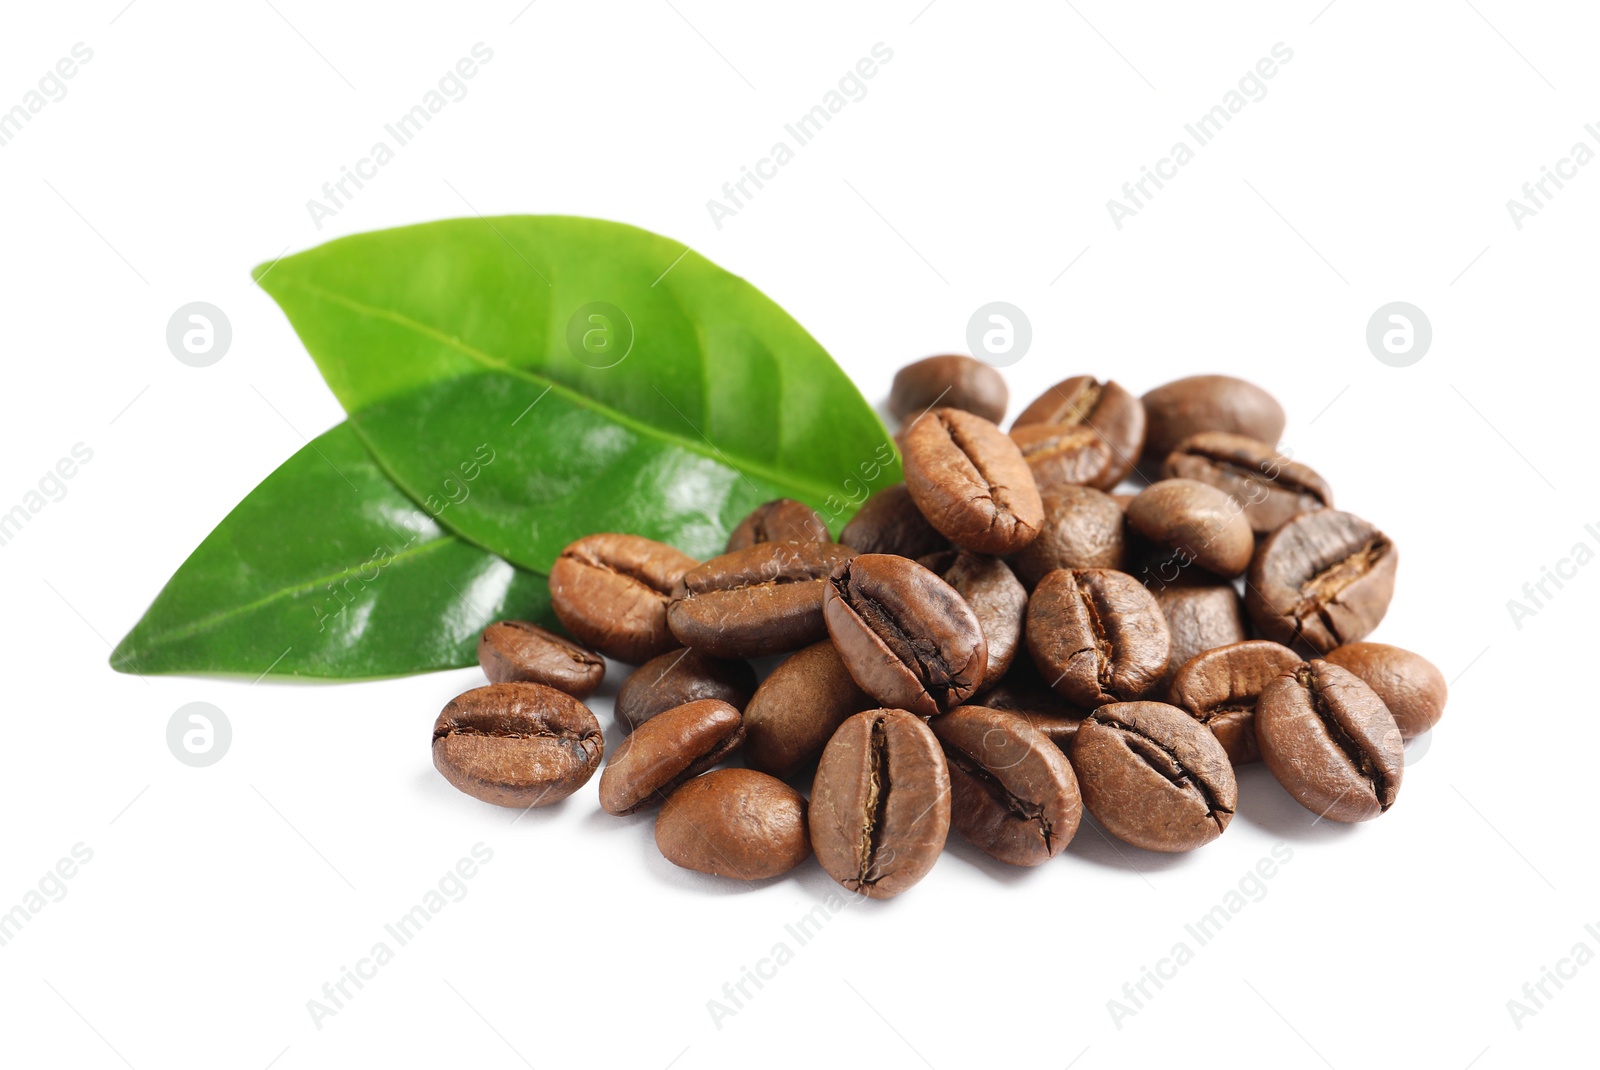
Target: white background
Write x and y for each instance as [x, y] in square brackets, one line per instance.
[1377, 168]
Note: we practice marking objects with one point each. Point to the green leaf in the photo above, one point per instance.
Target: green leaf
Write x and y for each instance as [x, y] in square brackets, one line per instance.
[533, 379]
[327, 569]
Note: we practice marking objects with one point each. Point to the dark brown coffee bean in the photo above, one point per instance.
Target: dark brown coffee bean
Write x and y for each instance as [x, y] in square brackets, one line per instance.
[681, 676]
[889, 522]
[1097, 636]
[1059, 454]
[969, 479]
[1106, 407]
[997, 598]
[734, 823]
[783, 520]
[765, 599]
[1220, 688]
[667, 750]
[1154, 776]
[906, 636]
[611, 592]
[1199, 619]
[1196, 521]
[517, 744]
[515, 650]
[797, 709]
[1409, 684]
[1208, 403]
[1013, 794]
[1331, 742]
[1024, 693]
[1323, 579]
[1272, 489]
[1082, 529]
[880, 806]
[954, 382]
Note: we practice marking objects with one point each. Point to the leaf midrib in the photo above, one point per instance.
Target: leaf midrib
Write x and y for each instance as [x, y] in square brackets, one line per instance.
[705, 448]
[204, 623]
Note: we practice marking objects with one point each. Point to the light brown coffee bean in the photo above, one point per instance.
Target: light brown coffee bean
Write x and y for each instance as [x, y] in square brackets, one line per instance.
[1097, 636]
[880, 805]
[1196, 521]
[969, 479]
[734, 823]
[1221, 688]
[1113, 413]
[956, 382]
[797, 709]
[1409, 684]
[515, 650]
[1322, 580]
[681, 676]
[1082, 529]
[1208, 403]
[1270, 487]
[1199, 619]
[611, 592]
[1154, 776]
[997, 598]
[666, 751]
[782, 520]
[517, 744]
[1066, 454]
[1013, 794]
[1331, 742]
[765, 599]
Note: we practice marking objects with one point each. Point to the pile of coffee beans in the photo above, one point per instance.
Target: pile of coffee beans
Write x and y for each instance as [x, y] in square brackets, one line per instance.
[994, 645]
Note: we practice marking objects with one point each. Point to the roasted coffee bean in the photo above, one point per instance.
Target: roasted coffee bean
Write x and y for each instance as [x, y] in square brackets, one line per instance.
[889, 522]
[969, 479]
[997, 598]
[1154, 776]
[955, 382]
[517, 744]
[1106, 407]
[1195, 521]
[1025, 693]
[1208, 403]
[782, 520]
[1060, 454]
[1013, 794]
[1331, 742]
[765, 599]
[906, 636]
[1220, 688]
[1272, 489]
[667, 750]
[1082, 529]
[880, 805]
[611, 592]
[734, 823]
[1097, 635]
[797, 709]
[1322, 580]
[515, 650]
[681, 676]
[1409, 684]
[1199, 619]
